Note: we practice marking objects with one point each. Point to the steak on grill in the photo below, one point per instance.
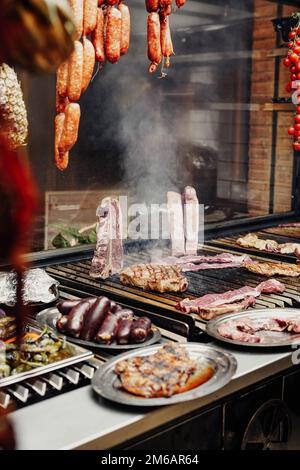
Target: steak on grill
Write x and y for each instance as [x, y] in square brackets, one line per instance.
[252, 241]
[162, 374]
[271, 269]
[211, 305]
[202, 262]
[156, 277]
[108, 256]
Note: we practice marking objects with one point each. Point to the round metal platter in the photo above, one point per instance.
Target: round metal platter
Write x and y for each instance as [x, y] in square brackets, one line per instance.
[106, 383]
[49, 317]
[271, 339]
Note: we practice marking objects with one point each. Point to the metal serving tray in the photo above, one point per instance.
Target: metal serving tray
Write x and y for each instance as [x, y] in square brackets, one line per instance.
[77, 354]
[50, 316]
[271, 339]
[106, 383]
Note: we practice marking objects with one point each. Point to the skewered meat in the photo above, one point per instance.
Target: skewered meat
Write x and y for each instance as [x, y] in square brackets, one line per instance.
[176, 227]
[156, 277]
[154, 46]
[271, 269]
[252, 241]
[163, 374]
[211, 305]
[108, 256]
[191, 220]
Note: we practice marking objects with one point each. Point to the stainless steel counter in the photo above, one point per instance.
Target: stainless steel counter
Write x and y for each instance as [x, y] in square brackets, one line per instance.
[81, 420]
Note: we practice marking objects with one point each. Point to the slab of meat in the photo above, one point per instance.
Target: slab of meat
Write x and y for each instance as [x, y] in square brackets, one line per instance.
[108, 256]
[163, 374]
[271, 286]
[156, 277]
[176, 227]
[208, 313]
[191, 220]
[245, 329]
[271, 269]
[201, 262]
[230, 330]
[211, 305]
[252, 241]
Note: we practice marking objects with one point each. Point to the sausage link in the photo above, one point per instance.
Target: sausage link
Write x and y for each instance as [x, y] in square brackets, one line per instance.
[75, 72]
[166, 7]
[165, 39]
[88, 63]
[98, 37]
[180, 3]
[96, 316]
[108, 330]
[152, 5]
[140, 330]
[65, 306]
[125, 28]
[113, 35]
[76, 318]
[70, 129]
[124, 313]
[154, 47]
[62, 79]
[123, 331]
[89, 16]
[77, 10]
[61, 159]
[61, 323]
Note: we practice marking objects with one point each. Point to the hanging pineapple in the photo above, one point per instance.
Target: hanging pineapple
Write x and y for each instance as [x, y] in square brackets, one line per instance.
[13, 115]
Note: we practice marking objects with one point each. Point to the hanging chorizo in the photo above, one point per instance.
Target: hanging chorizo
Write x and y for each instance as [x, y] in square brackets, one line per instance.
[154, 46]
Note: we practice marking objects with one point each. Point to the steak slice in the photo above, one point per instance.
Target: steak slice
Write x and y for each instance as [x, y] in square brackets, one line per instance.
[231, 330]
[271, 269]
[191, 220]
[201, 262]
[208, 313]
[108, 255]
[156, 277]
[271, 286]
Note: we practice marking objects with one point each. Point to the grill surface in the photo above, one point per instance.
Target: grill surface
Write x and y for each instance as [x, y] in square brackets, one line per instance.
[76, 275]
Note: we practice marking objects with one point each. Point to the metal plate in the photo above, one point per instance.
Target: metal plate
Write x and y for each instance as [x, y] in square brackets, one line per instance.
[50, 316]
[106, 383]
[271, 339]
[77, 354]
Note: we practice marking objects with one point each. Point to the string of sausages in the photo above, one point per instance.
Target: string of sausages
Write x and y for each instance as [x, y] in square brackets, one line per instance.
[158, 31]
[102, 32]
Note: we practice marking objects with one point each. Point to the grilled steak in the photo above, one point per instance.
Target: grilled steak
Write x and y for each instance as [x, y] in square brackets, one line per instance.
[175, 213]
[170, 370]
[191, 220]
[156, 277]
[108, 256]
[201, 262]
[211, 305]
[271, 269]
[252, 241]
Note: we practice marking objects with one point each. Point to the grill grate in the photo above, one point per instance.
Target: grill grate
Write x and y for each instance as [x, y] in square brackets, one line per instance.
[76, 275]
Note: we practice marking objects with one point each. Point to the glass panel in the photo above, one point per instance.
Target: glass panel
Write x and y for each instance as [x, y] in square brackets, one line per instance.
[217, 121]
